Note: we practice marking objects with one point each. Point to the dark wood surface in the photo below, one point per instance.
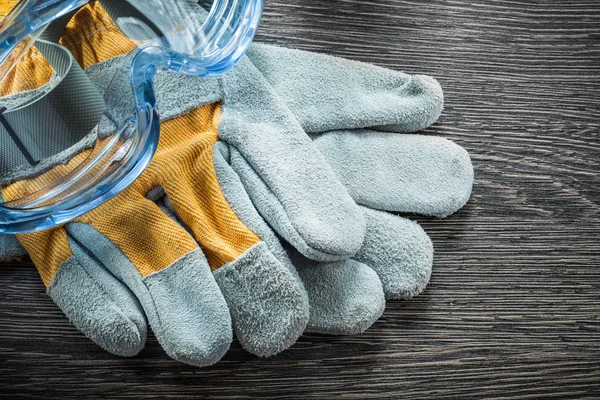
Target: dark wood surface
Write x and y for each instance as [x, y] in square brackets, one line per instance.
[514, 302]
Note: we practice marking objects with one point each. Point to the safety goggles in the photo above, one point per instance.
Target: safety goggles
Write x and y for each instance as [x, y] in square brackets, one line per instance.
[108, 139]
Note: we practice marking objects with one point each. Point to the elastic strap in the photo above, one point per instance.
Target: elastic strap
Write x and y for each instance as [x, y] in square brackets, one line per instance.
[51, 122]
[57, 120]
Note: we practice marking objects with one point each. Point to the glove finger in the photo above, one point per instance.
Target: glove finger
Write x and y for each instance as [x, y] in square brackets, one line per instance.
[267, 301]
[98, 304]
[346, 297]
[268, 306]
[399, 251]
[288, 180]
[329, 93]
[95, 301]
[404, 173]
[162, 265]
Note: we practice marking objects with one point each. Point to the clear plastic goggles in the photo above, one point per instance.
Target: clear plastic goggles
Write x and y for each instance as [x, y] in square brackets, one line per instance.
[75, 144]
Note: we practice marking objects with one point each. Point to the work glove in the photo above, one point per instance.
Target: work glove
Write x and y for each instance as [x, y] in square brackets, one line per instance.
[350, 109]
[322, 288]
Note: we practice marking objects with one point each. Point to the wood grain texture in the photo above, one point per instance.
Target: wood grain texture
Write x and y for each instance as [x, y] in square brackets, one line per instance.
[513, 308]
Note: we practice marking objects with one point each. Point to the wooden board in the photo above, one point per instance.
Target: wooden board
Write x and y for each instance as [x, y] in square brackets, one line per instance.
[513, 307]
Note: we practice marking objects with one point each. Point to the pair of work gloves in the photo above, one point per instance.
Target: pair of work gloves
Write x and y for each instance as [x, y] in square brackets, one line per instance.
[308, 148]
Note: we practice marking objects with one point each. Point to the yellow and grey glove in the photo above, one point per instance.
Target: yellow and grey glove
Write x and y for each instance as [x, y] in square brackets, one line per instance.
[345, 295]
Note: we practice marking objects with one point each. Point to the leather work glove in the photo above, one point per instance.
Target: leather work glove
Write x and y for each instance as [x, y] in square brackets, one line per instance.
[363, 128]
